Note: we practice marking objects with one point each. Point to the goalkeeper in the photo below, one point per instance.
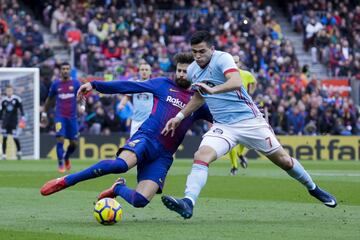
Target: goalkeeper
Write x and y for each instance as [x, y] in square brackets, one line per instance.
[249, 83]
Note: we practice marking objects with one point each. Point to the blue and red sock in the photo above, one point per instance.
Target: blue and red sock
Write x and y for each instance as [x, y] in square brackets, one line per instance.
[70, 150]
[60, 152]
[99, 169]
[131, 196]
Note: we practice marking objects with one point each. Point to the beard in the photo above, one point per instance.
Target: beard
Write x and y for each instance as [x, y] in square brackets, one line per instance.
[182, 82]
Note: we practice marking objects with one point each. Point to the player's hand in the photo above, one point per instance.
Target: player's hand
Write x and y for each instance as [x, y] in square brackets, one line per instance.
[170, 126]
[83, 90]
[204, 88]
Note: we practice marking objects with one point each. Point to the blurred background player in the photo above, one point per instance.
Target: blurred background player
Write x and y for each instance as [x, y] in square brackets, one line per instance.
[249, 83]
[142, 102]
[147, 149]
[66, 126]
[10, 105]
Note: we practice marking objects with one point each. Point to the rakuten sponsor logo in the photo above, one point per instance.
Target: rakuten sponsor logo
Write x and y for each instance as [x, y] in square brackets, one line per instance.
[66, 95]
[175, 102]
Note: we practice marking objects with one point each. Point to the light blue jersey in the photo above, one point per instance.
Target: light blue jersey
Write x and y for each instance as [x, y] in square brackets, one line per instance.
[143, 103]
[229, 107]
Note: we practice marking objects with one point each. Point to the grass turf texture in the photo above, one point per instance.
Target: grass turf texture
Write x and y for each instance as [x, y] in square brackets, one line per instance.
[261, 202]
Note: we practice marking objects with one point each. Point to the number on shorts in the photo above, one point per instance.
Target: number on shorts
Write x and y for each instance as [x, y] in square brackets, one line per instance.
[269, 139]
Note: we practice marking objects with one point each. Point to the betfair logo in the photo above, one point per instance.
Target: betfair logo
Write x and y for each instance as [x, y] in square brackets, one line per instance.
[175, 102]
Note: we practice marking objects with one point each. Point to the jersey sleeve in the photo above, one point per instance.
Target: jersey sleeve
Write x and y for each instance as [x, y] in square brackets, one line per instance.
[226, 64]
[52, 91]
[128, 87]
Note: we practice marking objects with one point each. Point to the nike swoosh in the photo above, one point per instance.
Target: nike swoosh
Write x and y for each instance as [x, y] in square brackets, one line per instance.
[173, 90]
[332, 202]
[174, 199]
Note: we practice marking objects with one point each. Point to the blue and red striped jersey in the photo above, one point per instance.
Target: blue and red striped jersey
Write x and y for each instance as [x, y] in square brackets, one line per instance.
[169, 99]
[65, 92]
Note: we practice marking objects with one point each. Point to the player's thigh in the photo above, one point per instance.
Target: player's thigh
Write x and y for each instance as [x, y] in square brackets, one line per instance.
[147, 188]
[257, 134]
[155, 171]
[206, 154]
[129, 157]
[281, 158]
[72, 130]
[215, 143]
[60, 127]
[140, 146]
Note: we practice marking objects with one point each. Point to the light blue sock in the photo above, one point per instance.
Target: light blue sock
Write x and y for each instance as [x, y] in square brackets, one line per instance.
[196, 180]
[300, 174]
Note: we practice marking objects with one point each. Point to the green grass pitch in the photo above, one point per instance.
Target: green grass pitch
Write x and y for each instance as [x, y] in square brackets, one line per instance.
[261, 202]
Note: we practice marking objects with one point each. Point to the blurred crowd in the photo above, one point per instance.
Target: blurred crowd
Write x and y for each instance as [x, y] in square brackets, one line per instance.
[110, 37]
[296, 106]
[21, 41]
[331, 31]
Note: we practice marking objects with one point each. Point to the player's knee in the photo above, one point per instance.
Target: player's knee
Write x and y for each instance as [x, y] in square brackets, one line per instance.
[286, 162]
[205, 155]
[139, 201]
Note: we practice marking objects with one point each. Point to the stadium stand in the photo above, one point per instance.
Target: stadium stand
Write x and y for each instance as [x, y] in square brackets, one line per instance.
[109, 38]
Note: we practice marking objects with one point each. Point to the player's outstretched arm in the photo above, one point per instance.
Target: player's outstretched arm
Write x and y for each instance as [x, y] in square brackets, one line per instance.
[195, 103]
[49, 103]
[233, 83]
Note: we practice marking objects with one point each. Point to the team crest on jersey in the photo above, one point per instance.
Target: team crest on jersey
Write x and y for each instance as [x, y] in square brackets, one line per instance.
[133, 143]
[218, 131]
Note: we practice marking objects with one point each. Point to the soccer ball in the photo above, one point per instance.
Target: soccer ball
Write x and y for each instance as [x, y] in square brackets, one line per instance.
[107, 211]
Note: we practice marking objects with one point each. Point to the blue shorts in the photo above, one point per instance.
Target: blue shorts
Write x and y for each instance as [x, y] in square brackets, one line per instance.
[67, 128]
[153, 163]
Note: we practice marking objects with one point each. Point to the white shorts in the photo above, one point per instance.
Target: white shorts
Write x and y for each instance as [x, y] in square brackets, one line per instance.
[254, 133]
[135, 125]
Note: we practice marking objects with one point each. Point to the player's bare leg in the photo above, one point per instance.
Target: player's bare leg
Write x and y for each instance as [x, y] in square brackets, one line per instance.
[282, 159]
[60, 153]
[196, 180]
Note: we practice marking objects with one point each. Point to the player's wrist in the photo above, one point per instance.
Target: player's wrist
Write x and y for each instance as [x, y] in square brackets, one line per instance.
[180, 116]
[44, 114]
